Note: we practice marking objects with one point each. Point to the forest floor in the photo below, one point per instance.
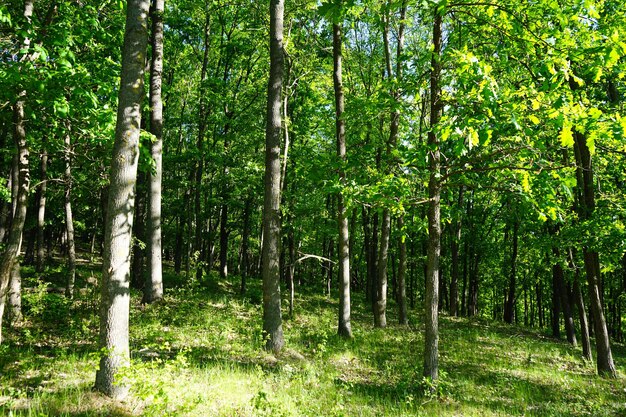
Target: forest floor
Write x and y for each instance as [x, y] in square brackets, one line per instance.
[199, 353]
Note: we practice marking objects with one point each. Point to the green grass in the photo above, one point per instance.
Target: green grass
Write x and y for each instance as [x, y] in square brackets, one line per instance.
[199, 353]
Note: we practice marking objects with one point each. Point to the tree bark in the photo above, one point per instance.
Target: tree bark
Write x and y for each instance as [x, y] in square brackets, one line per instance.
[197, 247]
[153, 287]
[431, 332]
[115, 294]
[509, 310]
[41, 208]
[272, 317]
[69, 219]
[455, 242]
[605, 364]
[344, 328]
[403, 317]
[584, 324]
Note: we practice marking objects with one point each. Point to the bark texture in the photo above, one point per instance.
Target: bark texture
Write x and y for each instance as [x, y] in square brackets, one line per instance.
[153, 288]
[115, 296]
[272, 317]
[344, 327]
[431, 332]
[69, 220]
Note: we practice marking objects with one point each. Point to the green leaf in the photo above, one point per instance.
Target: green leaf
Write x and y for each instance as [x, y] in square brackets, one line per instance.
[566, 136]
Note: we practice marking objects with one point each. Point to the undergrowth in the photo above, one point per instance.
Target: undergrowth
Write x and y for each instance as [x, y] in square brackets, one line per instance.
[199, 353]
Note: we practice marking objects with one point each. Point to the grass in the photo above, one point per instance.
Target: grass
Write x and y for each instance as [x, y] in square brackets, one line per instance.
[199, 353]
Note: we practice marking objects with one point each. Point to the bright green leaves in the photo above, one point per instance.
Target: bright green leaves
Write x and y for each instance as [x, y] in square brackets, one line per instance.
[566, 136]
[337, 10]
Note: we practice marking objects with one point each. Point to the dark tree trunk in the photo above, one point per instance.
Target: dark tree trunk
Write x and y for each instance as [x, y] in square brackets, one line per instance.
[431, 332]
[138, 243]
[509, 308]
[344, 328]
[605, 364]
[582, 316]
[272, 318]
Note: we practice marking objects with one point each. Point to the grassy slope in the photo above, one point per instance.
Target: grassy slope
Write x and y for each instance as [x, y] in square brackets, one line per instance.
[199, 353]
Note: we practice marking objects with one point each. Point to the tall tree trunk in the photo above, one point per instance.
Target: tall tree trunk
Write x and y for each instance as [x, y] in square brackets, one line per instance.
[509, 309]
[197, 247]
[344, 328]
[41, 208]
[431, 332]
[605, 364]
[115, 294]
[69, 219]
[272, 318]
[224, 241]
[153, 287]
[12, 248]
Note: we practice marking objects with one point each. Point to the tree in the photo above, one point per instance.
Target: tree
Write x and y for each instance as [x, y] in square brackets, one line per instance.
[12, 248]
[344, 327]
[153, 289]
[431, 311]
[115, 283]
[272, 318]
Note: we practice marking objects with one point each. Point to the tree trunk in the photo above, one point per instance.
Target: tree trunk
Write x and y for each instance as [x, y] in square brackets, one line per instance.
[272, 318]
[15, 295]
[431, 332]
[509, 309]
[605, 364]
[403, 317]
[380, 307]
[584, 324]
[224, 241]
[153, 287]
[115, 294]
[69, 219]
[41, 209]
[455, 242]
[197, 247]
[138, 243]
[245, 242]
[344, 328]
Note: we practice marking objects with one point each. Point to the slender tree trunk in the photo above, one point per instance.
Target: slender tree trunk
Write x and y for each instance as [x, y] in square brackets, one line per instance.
[138, 243]
[403, 317]
[562, 291]
[224, 241]
[272, 318]
[115, 283]
[197, 247]
[69, 219]
[153, 287]
[41, 208]
[509, 309]
[380, 307]
[584, 324]
[431, 332]
[455, 242]
[344, 328]
[245, 244]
